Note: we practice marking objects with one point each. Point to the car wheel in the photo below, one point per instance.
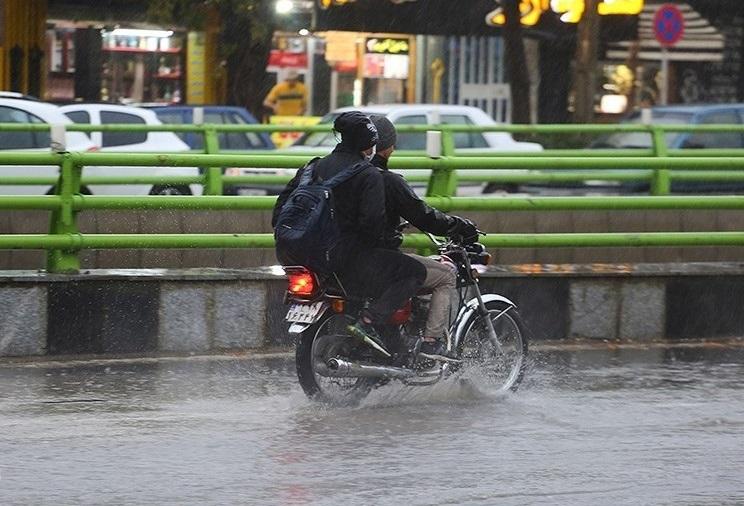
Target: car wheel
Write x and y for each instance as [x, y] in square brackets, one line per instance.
[170, 190]
[84, 190]
[501, 187]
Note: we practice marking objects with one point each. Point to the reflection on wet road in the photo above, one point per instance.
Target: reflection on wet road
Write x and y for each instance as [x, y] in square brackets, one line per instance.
[588, 427]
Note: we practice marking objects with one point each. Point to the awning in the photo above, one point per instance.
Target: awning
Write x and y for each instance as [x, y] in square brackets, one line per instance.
[700, 42]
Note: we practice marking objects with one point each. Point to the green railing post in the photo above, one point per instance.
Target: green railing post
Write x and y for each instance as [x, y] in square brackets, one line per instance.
[443, 181]
[661, 179]
[213, 185]
[63, 219]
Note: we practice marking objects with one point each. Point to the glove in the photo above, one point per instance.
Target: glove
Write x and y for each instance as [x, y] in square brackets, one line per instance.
[464, 228]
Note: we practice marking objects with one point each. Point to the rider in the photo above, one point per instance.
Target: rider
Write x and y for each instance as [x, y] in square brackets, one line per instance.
[364, 268]
[402, 202]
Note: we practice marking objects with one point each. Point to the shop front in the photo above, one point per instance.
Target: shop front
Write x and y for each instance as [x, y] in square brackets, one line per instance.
[115, 64]
[370, 68]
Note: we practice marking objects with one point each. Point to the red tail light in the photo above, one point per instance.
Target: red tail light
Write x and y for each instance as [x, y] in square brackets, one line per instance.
[301, 283]
[401, 316]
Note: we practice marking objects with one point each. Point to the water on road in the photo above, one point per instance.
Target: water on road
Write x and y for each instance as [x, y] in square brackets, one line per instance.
[651, 427]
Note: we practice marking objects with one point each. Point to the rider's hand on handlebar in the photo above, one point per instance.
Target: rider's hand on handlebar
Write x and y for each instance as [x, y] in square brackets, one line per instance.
[464, 229]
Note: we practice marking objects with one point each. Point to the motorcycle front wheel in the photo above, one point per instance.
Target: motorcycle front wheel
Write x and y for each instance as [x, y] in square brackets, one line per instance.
[325, 340]
[494, 368]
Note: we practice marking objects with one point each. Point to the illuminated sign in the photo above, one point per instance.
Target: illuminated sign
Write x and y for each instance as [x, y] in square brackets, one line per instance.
[570, 10]
[386, 57]
[387, 46]
[325, 4]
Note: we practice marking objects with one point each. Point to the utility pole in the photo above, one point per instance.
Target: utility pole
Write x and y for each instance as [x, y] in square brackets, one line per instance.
[585, 82]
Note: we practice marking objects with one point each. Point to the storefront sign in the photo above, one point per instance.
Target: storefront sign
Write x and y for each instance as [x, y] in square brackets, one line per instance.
[386, 46]
[195, 68]
[389, 66]
[285, 59]
[325, 4]
[386, 57]
[570, 11]
[341, 47]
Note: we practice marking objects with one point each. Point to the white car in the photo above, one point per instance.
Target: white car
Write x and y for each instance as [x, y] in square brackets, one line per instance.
[426, 114]
[17, 110]
[132, 142]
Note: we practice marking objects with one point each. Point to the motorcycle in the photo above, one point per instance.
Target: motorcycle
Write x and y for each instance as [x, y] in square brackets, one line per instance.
[487, 339]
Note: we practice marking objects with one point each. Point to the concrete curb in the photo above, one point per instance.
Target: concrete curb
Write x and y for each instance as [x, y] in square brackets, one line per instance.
[212, 310]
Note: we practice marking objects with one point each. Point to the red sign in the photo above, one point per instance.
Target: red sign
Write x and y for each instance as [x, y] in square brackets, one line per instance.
[669, 25]
[285, 59]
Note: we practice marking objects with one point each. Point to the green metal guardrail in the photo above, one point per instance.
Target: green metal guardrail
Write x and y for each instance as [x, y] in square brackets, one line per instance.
[555, 172]
[64, 241]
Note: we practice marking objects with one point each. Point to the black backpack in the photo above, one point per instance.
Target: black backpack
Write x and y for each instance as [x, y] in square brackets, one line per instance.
[307, 227]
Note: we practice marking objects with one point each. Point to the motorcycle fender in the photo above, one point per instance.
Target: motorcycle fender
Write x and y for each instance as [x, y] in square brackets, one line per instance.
[469, 310]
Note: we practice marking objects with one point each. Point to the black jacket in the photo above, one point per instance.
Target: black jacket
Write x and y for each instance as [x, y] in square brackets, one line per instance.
[402, 202]
[359, 202]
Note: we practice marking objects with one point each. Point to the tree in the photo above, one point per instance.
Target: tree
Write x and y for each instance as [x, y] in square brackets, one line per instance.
[516, 62]
[245, 31]
[585, 71]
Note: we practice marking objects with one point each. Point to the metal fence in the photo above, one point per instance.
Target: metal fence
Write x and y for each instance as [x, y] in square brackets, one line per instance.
[658, 166]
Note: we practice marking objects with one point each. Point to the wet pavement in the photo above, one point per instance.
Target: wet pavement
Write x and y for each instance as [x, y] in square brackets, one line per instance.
[623, 426]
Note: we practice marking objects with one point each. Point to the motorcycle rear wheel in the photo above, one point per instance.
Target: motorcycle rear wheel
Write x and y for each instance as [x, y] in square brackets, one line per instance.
[325, 340]
[487, 367]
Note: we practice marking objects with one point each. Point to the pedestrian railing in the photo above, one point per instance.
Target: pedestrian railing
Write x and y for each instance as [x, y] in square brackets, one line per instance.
[64, 242]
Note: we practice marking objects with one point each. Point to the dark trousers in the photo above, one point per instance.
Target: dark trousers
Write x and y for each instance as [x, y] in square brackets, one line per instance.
[387, 276]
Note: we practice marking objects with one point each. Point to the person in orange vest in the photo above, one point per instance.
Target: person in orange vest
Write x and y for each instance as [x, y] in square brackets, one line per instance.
[289, 97]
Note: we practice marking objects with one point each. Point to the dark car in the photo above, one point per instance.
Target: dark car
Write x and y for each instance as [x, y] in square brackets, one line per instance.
[217, 115]
[726, 114]
[228, 141]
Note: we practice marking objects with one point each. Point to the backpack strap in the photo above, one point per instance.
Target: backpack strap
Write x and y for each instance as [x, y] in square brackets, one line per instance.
[346, 174]
[308, 172]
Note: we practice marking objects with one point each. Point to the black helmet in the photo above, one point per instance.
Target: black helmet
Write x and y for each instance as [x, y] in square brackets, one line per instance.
[357, 130]
[386, 132]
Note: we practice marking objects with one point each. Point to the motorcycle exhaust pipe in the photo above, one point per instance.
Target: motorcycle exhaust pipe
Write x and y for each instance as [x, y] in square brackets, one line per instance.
[339, 368]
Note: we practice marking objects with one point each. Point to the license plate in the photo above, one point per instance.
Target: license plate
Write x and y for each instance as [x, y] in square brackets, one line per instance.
[305, 313]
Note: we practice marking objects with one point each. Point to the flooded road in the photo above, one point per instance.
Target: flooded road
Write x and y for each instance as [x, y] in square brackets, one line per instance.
[660, 426]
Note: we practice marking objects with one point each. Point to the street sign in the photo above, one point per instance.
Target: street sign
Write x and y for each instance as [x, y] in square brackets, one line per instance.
[669, 25]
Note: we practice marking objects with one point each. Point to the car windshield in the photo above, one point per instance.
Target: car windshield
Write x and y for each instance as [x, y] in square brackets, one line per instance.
[320, 139]
[642, 139]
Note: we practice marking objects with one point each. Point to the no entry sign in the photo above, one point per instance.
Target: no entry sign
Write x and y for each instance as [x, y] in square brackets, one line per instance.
[669, 25]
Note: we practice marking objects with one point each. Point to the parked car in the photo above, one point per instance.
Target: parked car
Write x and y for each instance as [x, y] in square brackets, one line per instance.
[427, 114]
[216, 115]
[683, 115]
[132, 142]
[227, 141]
[19, 110]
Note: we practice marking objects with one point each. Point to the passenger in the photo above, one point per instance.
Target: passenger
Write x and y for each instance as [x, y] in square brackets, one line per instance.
[402, 202]
[364, 268]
